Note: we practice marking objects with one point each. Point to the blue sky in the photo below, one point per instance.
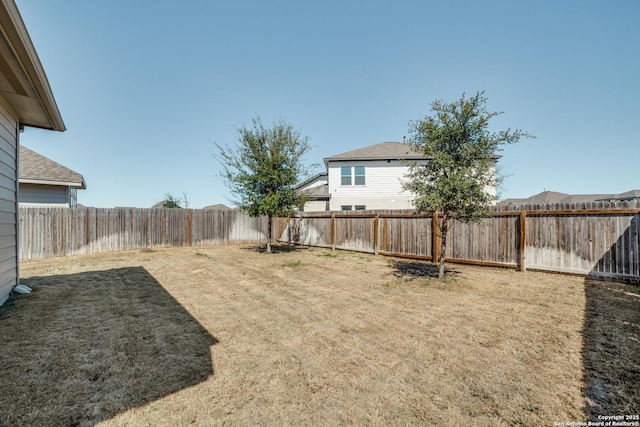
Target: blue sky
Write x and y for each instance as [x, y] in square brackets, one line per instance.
[146, 87]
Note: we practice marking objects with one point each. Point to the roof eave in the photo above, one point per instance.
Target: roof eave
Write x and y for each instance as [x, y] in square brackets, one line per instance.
[369, 158]
[311, 179]
[18, 36]
[79, 185]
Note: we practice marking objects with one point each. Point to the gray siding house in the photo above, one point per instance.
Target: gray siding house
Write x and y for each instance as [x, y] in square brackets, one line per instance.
[363, 179]
[316, 189]
[43, 182]
[26, 99]
[371, 177]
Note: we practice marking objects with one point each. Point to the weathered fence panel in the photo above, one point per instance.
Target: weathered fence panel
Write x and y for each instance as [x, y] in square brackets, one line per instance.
[494, 240]
[406, 235]
[50, 232]
[308, 231]
[595, 244]
[219, 227]
[354, 233]
[594, 239]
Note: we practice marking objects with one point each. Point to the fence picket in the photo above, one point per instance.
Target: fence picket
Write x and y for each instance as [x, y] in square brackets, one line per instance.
[594, 238]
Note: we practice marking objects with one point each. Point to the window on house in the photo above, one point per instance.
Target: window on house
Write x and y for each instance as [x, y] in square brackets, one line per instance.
[345, 207]
[345, 174]
[360, 207]
[346, 177]
[359, 175]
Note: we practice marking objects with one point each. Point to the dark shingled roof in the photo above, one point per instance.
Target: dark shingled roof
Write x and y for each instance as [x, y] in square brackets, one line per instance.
[38, 169]
[553, 197]
[382, 151]
[629, 195]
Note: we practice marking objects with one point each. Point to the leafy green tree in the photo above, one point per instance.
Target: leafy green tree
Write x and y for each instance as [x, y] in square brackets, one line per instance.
[171, 201]
[263, 170]
[460, 178]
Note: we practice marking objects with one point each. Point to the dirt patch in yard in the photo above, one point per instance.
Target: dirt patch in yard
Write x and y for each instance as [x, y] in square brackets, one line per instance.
[229, 335]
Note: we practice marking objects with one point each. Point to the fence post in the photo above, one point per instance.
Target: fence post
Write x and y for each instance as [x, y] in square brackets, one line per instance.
[523, 239]
[376, 225]
[190, 227]
[385, 230]
[435, 250]
[62, 219]
[333, 232]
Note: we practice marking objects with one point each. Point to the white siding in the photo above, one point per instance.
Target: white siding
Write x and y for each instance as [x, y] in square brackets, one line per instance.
[318, 182]
[43, 195]
[382, 189]
[8, 201]
[316, 206]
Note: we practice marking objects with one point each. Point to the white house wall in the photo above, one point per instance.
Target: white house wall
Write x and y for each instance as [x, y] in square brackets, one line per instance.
[316, 206]
[382, 189]
[318, 182]
[8, 201]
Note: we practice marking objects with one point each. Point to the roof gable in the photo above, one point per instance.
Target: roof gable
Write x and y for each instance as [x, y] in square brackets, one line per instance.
[318, 179]
[38, 169]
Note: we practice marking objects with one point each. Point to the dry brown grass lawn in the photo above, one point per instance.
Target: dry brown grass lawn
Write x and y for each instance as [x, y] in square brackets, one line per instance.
[231, 336]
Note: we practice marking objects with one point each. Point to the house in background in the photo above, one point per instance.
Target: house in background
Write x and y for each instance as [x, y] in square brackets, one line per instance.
[217, 207]
[44, 182]
[554, 197]
[369, 178]
[26, 99]
[316, 189]
[363, 179]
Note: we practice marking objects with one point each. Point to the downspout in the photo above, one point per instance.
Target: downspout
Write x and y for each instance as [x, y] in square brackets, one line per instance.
[20, 130]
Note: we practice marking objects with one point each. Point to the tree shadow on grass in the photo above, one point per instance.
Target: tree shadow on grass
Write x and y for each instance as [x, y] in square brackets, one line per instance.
[276, 249]
[416, 269]
[84, 347]
[611, 331]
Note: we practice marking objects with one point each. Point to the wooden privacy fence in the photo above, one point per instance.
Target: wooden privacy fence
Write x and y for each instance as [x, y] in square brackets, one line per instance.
[49, 232]
[591, 239]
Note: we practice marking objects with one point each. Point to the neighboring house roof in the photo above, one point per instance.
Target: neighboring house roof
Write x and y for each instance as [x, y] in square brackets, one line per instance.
[553, 197]
[219, 206]
[38, 169]
[629, 195]
[316, 177]
[382, 151]
[23, 82]
[320, 191]
[547, 197]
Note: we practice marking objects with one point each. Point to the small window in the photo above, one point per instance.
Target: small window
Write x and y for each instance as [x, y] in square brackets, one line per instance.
[360, 207]
[345, 174]
[345, 207]
[359, 175]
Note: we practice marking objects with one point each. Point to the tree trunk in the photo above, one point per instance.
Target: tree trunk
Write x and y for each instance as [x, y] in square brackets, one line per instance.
[444, 232]
[269, 235]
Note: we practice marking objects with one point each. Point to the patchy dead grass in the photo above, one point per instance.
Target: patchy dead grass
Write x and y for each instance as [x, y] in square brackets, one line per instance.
[231, 336]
